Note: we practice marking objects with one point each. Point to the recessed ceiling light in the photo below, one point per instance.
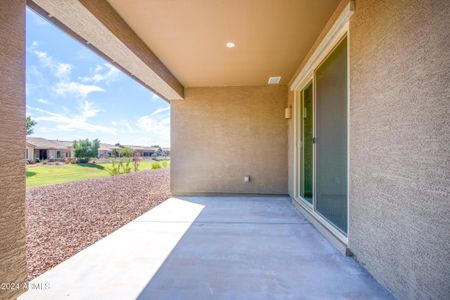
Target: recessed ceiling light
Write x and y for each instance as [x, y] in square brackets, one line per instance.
[274, 80]
[230, 45]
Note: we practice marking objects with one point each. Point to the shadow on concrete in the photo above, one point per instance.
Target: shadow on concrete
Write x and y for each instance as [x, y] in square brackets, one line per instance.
[257, 248]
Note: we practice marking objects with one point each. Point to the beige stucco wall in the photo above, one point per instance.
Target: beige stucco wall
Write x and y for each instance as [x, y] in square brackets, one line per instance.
[12, 145]
[399, 145]
[219, 135]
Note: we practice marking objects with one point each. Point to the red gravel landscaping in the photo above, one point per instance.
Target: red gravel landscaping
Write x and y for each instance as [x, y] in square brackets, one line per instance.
[63, 219]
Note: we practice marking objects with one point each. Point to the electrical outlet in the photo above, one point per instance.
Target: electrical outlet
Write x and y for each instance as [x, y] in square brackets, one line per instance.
[246, 178]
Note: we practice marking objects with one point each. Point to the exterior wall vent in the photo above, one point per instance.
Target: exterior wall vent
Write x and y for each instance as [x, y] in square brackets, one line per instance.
[274, 80]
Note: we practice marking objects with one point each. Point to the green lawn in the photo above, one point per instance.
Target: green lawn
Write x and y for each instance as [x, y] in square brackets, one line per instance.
[54, 174]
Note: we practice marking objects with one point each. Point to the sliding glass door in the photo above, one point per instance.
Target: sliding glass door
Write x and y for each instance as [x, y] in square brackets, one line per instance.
[306, 143]
[322, 133]
[331, 131]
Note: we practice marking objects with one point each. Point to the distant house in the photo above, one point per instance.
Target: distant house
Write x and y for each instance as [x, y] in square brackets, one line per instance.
[144, 151]
[166, 151]
[43, 149]
[39, 149]
[106, 150]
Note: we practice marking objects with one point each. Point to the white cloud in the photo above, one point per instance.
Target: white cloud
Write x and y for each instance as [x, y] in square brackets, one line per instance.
[79, 89]
[126, 126]
[44, 101]
[43, 57]
[149, 124]
[158, 111]
[76, 122]
[87, 110]
[36, 81]
[60, 70]
[63, 70]
[156, 126]
[111, 74]
[34, 71]
[98, 68]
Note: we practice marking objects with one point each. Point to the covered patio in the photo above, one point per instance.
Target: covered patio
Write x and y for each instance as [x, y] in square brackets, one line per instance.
[341, 106]
[211, 247]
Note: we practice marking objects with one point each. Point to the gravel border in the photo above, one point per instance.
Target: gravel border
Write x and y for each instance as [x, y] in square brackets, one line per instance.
[63, 219]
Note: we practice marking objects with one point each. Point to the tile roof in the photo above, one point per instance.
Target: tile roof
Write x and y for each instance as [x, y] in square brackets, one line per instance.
[42, 143]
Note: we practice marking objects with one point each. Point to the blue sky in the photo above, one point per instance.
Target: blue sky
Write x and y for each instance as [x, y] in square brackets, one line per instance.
[72, 93]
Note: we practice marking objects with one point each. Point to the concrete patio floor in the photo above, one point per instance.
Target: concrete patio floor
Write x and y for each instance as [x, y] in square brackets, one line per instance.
[211, 248]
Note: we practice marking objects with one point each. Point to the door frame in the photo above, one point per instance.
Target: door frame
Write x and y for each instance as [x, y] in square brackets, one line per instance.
[298, 102]
[299, 84]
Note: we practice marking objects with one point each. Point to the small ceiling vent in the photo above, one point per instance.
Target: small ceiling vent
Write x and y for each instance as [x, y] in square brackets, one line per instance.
[274, 80]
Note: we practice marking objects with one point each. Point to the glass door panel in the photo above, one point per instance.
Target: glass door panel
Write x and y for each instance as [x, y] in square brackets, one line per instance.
[331, 137]
[306, 143]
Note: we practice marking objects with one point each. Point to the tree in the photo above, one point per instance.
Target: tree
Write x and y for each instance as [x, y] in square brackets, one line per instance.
[85, 149]
[126, 152]
[29, 124]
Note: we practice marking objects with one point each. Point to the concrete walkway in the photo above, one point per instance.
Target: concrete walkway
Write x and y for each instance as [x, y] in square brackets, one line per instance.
[211, 248]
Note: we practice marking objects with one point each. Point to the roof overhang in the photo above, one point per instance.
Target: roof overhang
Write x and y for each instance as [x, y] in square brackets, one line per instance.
[98, 26]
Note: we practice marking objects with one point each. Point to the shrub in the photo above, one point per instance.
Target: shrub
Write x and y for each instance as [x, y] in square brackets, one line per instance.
[82, 160]
[127, 166]
[114, 170]
[156, 165]
[164, 164]
[119, 168]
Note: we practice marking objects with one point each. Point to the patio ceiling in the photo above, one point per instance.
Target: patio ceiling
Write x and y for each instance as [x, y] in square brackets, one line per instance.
[271, 36]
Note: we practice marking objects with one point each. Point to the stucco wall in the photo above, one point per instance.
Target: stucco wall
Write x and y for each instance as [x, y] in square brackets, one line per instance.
[219, 135]
[12, 145]
[399, 139]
